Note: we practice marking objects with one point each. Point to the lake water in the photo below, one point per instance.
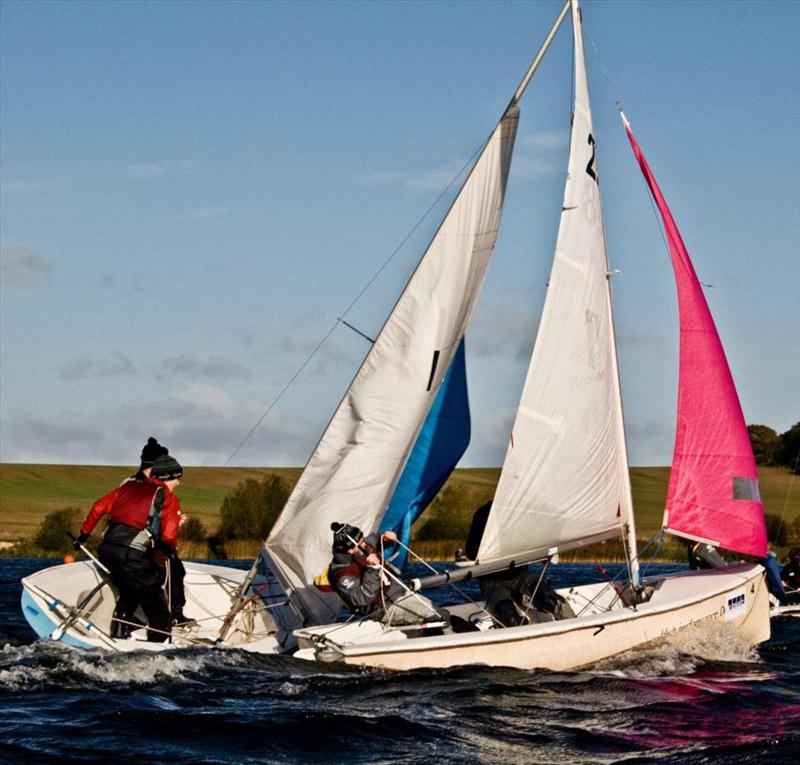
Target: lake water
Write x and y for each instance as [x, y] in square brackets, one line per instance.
[703, 697]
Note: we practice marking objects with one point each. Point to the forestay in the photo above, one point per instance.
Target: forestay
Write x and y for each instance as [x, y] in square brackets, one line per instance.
[713, 487]
[354, 469]
[565, 475]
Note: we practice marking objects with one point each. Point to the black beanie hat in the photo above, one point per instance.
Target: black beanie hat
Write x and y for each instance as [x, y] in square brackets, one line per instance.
[166, 468]
[343, 536]
[152, 451]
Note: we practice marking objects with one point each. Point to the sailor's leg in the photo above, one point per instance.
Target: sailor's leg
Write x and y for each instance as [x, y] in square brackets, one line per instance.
[144, 579]
[113, 558]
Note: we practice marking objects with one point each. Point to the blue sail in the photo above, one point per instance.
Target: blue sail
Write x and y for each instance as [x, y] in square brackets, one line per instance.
[443, 439]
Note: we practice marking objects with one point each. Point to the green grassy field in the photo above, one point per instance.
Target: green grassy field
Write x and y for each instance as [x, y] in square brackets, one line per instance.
[29, 492]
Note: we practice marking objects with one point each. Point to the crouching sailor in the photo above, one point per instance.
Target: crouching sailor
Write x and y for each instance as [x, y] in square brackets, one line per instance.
[144, 515]
[516, 595]
[360, 578]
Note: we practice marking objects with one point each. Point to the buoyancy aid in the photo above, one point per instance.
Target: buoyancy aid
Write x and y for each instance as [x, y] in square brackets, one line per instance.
[322, 581]
[348, 582]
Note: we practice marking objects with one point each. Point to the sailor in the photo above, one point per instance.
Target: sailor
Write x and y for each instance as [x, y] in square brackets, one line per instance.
[774, 583]
[515, 595]
[358, 575]
[704, 555]
[167, 559]
[144, 516]
[790, 577]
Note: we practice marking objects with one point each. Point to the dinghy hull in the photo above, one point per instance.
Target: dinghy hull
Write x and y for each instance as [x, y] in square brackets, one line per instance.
[50, 598]
[736, 595]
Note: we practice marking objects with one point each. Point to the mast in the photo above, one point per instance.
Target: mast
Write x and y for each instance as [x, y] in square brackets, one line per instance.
[539, 56]
[630, 523]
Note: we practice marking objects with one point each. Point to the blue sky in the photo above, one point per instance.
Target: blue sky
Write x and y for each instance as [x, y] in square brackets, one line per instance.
[192, 193]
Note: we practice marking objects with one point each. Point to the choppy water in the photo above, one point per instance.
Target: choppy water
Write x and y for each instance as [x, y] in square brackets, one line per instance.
[701, 698]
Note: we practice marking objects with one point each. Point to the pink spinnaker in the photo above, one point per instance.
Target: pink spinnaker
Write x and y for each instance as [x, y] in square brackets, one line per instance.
[713, 493]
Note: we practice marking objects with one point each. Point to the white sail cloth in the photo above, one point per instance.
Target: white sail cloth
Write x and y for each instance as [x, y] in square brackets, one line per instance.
[354, 469]
[565, 474]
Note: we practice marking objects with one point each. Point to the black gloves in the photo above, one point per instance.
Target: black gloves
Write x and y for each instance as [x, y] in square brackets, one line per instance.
[79, 541]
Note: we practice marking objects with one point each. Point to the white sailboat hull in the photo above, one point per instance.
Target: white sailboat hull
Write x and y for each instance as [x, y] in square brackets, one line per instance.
[49, 598]
[735, 595]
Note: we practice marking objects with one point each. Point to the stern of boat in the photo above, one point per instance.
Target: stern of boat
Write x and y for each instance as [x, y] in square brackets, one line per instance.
[75, 604]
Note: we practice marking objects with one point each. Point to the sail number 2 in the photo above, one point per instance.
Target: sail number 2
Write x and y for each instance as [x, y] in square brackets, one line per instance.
[590, 166]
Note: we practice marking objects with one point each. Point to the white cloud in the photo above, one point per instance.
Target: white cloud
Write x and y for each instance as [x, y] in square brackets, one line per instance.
[192, 365]
[21, 265]
[201, 425]
[331, 355]
[117, 365]
[435, 179]
[536, 156]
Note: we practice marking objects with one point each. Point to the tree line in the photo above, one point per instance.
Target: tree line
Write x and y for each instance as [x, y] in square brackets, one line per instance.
[773, 450]
[251, 509]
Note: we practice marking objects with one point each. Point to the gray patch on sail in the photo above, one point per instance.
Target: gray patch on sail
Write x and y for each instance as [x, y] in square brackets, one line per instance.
[746, 488]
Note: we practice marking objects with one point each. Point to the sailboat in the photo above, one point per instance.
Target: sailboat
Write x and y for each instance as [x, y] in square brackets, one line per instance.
[564, 482]
[403, 423]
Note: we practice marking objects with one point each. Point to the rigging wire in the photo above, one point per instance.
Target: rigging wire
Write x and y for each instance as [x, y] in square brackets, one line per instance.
[359, 295]
[618, 102]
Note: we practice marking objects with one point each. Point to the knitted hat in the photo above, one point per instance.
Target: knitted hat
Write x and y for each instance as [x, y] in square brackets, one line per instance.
[345, 537]
[166, 468]
[152, 451]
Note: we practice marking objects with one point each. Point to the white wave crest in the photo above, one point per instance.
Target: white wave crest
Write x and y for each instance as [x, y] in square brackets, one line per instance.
[43, 664]
[683, 652]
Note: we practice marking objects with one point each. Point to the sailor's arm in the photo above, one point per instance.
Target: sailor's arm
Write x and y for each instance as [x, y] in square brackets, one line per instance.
[99, 509]
[170, 521]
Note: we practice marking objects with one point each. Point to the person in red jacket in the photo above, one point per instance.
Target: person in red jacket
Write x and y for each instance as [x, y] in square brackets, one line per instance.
[172, 566]
[144, 515]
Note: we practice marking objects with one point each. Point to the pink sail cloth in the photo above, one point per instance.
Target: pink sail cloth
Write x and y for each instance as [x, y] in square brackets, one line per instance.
[713, 489]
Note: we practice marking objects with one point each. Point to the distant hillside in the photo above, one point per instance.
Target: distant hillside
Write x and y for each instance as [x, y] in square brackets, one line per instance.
[29, 492]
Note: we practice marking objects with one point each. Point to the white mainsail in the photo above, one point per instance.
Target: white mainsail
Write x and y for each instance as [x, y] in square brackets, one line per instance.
[565, 478]
[353, 471]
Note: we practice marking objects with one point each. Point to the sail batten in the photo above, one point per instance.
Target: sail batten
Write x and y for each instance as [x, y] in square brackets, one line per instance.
[713, 490]
[565, 474]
